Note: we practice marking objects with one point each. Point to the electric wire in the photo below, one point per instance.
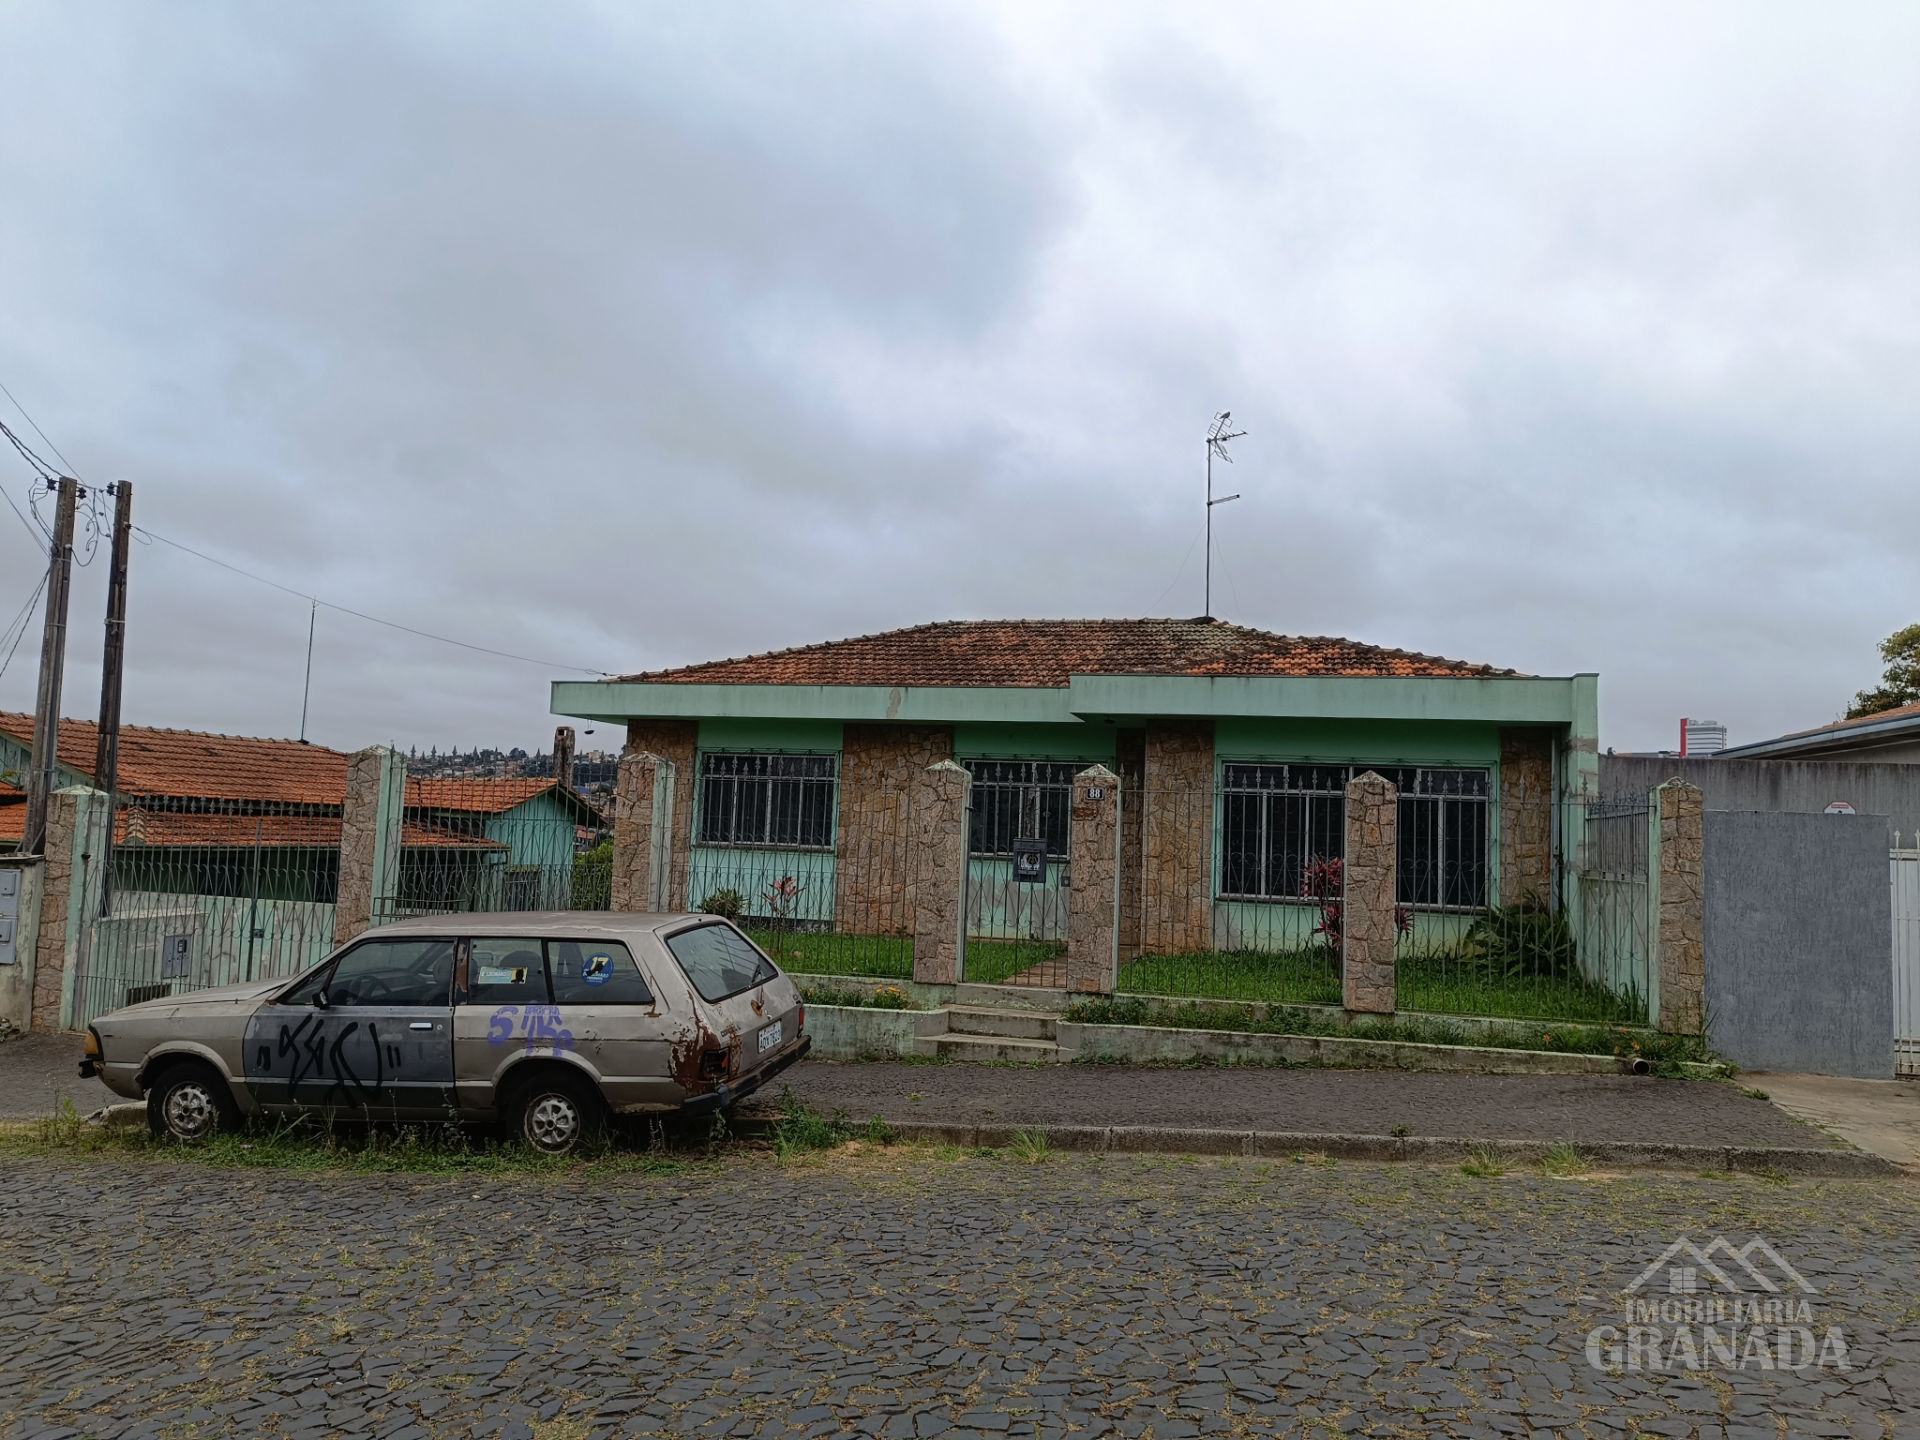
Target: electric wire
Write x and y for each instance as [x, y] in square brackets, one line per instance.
[38, 431]
[150, 535]
[21, 624]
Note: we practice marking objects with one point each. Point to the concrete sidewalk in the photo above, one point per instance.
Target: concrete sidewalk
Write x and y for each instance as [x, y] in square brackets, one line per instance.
[1584, 1109]
[38, 1070]
[1882, 1116]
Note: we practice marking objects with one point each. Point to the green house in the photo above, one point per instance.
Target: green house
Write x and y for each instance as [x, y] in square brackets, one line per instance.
[797, 774]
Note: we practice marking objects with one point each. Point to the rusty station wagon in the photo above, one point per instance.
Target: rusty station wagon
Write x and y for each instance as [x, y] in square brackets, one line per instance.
[541, 1022]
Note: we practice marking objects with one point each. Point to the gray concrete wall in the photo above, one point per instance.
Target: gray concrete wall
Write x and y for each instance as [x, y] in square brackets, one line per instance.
[1801, 787]
[1799, 942]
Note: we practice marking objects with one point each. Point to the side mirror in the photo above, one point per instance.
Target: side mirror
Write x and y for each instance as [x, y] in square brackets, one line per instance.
[320, 1001]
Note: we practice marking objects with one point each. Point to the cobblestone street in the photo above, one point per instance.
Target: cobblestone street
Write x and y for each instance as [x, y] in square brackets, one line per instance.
[914, 1292]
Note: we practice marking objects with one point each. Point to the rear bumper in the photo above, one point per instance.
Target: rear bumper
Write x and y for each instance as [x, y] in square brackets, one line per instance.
[721, 1098]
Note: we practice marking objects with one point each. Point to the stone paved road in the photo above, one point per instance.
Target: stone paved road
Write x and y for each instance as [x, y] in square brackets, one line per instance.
[1618, 1108]
[912, 1293]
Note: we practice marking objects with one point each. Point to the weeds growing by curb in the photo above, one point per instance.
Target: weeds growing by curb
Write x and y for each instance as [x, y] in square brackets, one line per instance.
[1484, 1164]
[1563, 1162]
[1029, 1147]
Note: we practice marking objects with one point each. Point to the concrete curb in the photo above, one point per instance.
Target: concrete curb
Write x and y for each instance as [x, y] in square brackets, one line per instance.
[1441, 1150]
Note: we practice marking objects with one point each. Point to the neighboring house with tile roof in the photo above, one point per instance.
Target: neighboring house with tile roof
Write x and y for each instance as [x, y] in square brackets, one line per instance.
[787, 762]
[1892, 736]
[249, 816]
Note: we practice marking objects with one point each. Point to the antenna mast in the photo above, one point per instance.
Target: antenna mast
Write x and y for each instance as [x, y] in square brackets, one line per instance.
[1217, 437]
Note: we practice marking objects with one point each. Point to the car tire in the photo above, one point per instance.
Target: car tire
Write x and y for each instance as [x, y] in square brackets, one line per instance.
[552, 1112]
[190, 1102]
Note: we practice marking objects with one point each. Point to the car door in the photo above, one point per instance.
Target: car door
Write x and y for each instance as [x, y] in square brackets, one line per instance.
[371, 1034]
[617, 1024]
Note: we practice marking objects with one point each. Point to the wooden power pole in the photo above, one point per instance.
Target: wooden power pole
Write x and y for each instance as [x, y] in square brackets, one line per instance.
[113, 660]
[106, 755]
[53, 661]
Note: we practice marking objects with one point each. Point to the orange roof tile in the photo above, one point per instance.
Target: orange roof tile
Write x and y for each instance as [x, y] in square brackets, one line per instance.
[1046, 653]
[478, 794]
[216, 767]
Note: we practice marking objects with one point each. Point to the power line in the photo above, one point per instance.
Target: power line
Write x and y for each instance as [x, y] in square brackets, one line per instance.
[361, 614]
[38, 431]
[21, 621]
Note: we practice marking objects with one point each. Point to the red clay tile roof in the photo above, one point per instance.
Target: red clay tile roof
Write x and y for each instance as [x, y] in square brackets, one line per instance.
[243, 767]
[1045, 653]
[186, 762]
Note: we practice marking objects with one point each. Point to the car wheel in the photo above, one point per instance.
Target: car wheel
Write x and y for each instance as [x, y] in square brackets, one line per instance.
[190, 1103]
[554, 1112]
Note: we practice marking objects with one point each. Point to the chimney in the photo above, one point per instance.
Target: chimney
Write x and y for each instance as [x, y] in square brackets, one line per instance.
[563, 755]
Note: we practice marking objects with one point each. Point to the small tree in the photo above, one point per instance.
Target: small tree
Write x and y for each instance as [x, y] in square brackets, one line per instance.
[1900, 683]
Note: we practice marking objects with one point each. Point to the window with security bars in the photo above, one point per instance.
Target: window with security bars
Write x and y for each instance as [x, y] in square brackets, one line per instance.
[1276, 820]
[783, 801]
[1021, 800]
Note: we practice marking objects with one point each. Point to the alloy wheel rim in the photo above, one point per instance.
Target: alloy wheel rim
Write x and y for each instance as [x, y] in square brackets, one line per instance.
[553, 1123]
[190, 1111]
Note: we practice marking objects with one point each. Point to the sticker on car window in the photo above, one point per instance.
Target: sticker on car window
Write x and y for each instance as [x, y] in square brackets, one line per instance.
[597, 969]
[502, 975]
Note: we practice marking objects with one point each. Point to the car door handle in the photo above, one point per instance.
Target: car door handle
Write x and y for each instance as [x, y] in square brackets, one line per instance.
[420, 1025]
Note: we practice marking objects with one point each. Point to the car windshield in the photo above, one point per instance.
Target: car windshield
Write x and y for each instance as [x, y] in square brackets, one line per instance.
[720, 961]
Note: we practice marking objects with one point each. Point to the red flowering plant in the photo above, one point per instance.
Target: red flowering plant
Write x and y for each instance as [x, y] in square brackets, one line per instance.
[1324, 883]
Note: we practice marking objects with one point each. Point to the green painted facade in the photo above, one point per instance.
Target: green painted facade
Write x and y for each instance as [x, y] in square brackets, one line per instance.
[1424, 721]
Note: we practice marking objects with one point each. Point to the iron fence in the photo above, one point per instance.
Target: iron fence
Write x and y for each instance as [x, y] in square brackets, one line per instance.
[204, 893]
[1019, 871]
[829, 884]
[488, 843]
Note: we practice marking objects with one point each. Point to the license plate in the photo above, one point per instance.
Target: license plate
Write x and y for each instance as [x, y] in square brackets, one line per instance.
[769, 1036]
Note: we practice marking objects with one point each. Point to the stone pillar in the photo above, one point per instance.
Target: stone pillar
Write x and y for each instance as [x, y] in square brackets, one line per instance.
[1093, 904]
[643, 805]
[677, 741]
[939, 863]
[370, 841]
[884, 779]
[1680, 905]
[1130, 759]
[1176, 904]
[1526, 816]
[563, 742]
[1367, 931]
[75, 851]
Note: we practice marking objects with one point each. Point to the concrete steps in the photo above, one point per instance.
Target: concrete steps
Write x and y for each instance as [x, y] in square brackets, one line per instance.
[1007, 1024]
[1010, 997]
[978, 1048]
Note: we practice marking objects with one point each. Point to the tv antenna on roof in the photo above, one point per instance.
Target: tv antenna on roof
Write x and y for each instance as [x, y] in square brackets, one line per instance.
[1217, 437]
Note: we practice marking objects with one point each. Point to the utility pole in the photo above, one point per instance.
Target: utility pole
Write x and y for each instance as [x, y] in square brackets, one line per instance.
[1217, 437]
[53, 661]
[106, 756]
[113, 657]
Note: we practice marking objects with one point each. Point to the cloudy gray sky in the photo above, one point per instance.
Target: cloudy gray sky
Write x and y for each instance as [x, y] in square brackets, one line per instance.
[627, 335]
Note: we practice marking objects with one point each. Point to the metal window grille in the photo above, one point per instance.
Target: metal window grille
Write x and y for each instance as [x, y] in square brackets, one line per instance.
[1021, 799]
[1277, 820]
[1443, 837]
[774, 800]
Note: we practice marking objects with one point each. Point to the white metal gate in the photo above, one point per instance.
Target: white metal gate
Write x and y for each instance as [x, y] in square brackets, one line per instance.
[1906, 961]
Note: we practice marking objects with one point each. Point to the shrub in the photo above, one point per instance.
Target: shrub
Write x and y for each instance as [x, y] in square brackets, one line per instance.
[1107, 1010]
[1515, 941]
[728, 904]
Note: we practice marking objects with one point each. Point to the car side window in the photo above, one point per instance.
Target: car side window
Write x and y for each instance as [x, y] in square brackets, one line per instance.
[719, 960]
[393, 972]
[506, 971]
[310, 986]
[595, 972]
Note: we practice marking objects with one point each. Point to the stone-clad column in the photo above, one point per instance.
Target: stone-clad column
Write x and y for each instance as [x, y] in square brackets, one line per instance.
[75, 850]
[939, 830]
[370, 841]
[1526, 817]
[1176, 913]
[1093, 904]
[679, 742]
[1680, 906]
[883, 772]
[643, 800]
[1366, 918]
